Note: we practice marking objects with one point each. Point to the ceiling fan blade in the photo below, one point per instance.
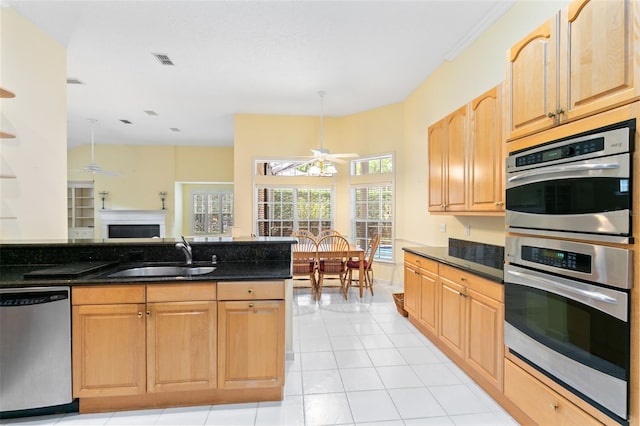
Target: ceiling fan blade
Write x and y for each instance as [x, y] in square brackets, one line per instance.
[344, 155]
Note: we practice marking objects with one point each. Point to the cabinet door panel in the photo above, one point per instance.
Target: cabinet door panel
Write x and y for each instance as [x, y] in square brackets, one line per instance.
[484, 348]
[411, 290]
[485, 154]
[251, 344]
[532, 80]
[456, 176]
[452, 316]
[108, 350]
[428, 301]
[181, 346]
[436, 150]
[601, 66]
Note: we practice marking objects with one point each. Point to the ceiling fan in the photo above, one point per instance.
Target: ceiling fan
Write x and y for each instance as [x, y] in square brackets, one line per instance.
[92, 167]
[322, 158]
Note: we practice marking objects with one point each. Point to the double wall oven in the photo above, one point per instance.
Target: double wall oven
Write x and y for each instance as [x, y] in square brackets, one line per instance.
[569, 270]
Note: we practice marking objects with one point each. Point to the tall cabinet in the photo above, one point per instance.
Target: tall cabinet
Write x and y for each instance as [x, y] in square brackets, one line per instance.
[80, 209]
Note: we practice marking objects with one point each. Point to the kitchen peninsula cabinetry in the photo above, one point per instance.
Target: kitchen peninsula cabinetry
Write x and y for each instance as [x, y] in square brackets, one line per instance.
[596, 42]
[251, 334]
[461, 313]
[126, 343]
[466, 159]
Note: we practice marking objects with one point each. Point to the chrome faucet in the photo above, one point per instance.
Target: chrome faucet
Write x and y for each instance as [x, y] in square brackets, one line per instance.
[186, 248]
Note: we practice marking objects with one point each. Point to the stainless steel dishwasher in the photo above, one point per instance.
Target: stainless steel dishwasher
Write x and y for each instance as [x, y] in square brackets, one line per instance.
[35, 347]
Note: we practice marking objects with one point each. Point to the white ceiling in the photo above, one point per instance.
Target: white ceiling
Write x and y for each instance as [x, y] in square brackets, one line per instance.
[262, 57]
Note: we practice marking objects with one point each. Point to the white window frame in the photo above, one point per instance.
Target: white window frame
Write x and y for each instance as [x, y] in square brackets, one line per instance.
[192, 212]
[373, 181]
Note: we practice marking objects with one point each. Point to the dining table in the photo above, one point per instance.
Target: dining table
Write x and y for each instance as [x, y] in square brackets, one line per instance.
[354, 252]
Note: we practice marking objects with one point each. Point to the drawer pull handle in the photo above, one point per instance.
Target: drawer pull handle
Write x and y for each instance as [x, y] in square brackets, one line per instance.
[139, 314]
[250, 291]
[148, 314]
[251, 305]
[554, 406]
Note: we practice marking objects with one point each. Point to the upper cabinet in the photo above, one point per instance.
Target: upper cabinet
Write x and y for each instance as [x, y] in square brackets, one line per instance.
[466, 160]
[582, 61]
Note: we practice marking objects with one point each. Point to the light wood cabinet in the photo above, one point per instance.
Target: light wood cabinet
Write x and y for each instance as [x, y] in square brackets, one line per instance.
[108, 341]
[130, 340]
[466, 158]
[452, 315]
[421, 290]
[540, 403]
[250, 335]
[486, 156]
[181, 346]
[447, 172]
[580, 62]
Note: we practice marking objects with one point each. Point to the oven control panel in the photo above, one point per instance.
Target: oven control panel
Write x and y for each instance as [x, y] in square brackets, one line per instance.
[557, 258]
[575, 149]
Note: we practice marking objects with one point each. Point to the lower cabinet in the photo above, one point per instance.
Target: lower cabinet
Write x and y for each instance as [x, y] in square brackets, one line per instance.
[540, 403]
[251, 335]
[131, 340]
[461, 312]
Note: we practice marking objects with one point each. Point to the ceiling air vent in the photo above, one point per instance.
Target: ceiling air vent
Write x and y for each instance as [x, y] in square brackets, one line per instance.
[150, 112]
[73, 80]
[175, 129]
[126, 121]
[163, 58]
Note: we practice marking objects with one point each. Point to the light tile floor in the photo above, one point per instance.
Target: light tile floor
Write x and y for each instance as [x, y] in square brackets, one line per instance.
[357, 362]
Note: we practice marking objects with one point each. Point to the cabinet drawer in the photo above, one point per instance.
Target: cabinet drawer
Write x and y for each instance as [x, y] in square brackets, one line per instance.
[467, 279]
[250, 290]
[181, 292]
[542, 404]
[107, 294]
[421, 262]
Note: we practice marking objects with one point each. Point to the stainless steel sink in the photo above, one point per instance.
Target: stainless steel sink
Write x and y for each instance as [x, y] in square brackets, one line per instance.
[163, 271]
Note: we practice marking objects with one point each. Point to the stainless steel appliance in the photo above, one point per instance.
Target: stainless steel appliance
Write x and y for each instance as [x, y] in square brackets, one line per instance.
[35, 348]
[567, 314]
[579, 186]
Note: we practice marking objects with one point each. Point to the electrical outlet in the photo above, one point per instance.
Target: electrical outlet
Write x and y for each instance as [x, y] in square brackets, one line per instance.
[443, 227]
[467, 229]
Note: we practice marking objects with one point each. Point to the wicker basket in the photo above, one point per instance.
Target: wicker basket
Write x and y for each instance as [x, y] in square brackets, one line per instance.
[399, 299]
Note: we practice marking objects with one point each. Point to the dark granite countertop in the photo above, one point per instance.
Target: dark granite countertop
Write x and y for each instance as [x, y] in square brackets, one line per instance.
[441, 254]
[91, 262]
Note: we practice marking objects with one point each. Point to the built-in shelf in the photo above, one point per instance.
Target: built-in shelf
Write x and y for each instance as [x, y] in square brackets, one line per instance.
[4, 93]
[7, 176]
[7, 217]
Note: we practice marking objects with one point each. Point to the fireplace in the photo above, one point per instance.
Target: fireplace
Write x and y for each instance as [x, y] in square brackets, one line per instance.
[133, 223]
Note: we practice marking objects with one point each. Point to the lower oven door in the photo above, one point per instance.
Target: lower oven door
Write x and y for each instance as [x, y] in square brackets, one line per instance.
[576, 333]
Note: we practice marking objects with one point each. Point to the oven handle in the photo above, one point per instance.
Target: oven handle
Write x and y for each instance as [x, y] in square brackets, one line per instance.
[563, 169]
[548, 283]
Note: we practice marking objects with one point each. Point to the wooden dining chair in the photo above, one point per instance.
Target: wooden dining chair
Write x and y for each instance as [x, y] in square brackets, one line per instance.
[333, 254]
[304, 255]
[326, 232]
[302, 233]
[354, 264]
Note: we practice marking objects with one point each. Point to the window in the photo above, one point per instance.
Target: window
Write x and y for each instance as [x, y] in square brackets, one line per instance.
[212, 212]
[294, 168]
[372, 203]
[281, 210]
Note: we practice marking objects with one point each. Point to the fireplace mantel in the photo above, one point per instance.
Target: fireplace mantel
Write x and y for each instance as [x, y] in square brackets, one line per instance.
[133, 217]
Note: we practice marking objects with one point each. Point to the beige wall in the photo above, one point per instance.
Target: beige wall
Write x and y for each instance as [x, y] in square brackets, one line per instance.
[33, 66]
[142, 171]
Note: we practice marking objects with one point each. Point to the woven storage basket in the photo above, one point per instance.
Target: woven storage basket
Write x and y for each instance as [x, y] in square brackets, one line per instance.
[399, 299]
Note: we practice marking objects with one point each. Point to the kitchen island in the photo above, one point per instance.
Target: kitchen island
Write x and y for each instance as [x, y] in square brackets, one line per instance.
[161, 341]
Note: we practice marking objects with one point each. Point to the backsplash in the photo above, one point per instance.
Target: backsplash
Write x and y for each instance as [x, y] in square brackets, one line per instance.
[485, 254]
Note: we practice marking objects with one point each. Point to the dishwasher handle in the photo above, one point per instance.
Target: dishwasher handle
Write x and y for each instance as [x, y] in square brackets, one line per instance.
[27, 298]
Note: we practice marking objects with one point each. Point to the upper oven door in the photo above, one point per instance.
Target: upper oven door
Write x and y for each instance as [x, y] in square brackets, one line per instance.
[589, 196]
